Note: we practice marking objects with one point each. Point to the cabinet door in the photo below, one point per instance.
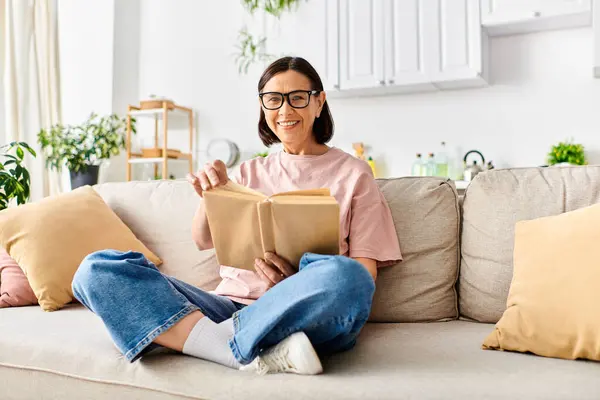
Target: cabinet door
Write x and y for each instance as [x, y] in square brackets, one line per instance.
[507, 11]
[456, 40]
[406, 55]
[310, 32]
[361, 44]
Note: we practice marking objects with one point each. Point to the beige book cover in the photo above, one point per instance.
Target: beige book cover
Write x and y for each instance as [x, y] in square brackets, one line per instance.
[245, 224]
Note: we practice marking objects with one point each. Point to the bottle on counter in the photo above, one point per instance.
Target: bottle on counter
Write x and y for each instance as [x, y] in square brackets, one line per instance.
[418, 167]
[430, 166]
[441, 162]
[372, 165]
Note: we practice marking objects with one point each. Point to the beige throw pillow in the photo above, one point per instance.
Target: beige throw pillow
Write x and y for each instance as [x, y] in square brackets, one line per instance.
[552, 307]
[49, 239]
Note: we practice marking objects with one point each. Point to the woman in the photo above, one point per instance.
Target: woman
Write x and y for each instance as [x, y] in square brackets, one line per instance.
[271, 320]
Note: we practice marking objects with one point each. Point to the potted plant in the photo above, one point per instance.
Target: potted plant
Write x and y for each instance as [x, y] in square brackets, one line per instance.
[566, 153]
[14, 177]
[83, 148]
[262, 154]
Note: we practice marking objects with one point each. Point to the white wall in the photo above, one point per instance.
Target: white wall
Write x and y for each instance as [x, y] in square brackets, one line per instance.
[541, 92]
[126, 69]
[86, 58]
[86, 43]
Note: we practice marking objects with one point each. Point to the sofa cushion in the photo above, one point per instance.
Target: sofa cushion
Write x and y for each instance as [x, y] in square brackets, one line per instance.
[62, 355]
[160, 214]
[494, 201]
[50, 237]
[552, 307]
[15, 290]
[422, 287]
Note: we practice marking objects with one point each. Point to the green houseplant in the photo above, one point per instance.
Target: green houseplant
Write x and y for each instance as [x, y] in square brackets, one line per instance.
[83, 148]
[14, 177]
[567, 153]
[262, 154]
[251, 49]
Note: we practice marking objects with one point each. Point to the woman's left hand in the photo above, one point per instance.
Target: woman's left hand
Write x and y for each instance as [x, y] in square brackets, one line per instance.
[273, 269]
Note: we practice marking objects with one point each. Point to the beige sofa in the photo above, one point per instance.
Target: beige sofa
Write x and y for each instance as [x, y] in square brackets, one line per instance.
[417, 346]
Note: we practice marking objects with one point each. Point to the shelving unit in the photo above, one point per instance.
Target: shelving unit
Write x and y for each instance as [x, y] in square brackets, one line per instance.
[159, 114]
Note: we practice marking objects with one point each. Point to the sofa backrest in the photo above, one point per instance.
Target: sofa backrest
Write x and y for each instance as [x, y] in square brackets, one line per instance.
[494, 201]
[422, 287]
[425, 213]
[160, 214]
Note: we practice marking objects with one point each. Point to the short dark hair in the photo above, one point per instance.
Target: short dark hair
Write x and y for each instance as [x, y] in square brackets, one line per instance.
[323, 126]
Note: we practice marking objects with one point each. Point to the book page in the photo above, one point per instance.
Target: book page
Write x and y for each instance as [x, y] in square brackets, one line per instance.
[305, 227]
[265, 217]
[231, 186]
[307, 192]
[303, 199]
[234, 226]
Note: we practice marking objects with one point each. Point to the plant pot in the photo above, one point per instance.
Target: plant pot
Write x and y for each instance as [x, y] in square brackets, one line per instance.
[87, 177]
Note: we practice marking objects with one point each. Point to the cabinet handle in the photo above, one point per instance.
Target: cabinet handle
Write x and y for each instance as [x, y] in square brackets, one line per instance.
[382, 82]
[391, 81]
[537, 14]
[336, 86]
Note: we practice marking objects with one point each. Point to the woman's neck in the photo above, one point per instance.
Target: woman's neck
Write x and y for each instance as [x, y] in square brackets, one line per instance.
[307, 149]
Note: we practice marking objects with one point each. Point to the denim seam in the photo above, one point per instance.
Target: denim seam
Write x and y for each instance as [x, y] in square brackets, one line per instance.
[232, 343]
[159, 330]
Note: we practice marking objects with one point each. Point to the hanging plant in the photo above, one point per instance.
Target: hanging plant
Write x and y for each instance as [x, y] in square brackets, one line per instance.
[273, 7]
[251, 49]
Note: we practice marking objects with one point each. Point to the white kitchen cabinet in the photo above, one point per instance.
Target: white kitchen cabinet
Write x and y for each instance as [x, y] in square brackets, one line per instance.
[374, 47]
[505, 17]
[361, 55]
[596, 37]
[457, 45]
[409, 61]
[433, 44]
[310, 32]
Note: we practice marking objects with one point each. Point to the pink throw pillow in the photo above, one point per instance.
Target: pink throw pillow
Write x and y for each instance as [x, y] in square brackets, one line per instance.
[15, 290]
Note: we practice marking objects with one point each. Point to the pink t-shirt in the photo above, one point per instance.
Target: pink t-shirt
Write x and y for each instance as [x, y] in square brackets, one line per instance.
[366, 226]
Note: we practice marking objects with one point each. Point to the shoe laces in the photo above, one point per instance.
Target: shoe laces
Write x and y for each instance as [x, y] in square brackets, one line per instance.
[275, 360]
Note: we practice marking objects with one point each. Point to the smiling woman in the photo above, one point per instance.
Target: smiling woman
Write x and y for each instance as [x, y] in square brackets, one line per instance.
[275, 318]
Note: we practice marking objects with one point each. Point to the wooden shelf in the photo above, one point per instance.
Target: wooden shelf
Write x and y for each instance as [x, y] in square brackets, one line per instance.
[159, 114]
[137, 158]
[156, 112]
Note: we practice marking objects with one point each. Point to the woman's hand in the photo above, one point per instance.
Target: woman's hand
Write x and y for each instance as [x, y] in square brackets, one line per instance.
[273, 269]
[214, 174]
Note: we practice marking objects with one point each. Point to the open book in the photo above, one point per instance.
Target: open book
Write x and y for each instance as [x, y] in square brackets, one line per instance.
[245, 224]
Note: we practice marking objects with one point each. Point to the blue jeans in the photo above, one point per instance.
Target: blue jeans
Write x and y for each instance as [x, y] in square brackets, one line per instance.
[329, 299]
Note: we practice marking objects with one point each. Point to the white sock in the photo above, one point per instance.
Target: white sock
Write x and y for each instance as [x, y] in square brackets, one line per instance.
[208, 341]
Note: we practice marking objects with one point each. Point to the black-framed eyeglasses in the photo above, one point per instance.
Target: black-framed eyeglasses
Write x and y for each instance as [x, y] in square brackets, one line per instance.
[296, 99]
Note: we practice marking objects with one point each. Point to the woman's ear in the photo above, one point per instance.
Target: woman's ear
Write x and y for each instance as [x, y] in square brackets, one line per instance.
[322, 97]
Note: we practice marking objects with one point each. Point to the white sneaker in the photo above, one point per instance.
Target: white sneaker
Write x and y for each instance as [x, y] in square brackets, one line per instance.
[293, 354]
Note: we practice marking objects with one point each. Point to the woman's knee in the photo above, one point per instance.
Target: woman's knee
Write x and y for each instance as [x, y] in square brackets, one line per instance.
[96, 269]
[349, 281]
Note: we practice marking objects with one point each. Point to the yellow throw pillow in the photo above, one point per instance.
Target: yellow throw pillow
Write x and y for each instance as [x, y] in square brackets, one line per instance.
[51, 237]
[553, 301]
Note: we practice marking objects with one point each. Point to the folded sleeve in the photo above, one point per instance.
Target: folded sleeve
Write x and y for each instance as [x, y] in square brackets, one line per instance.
[372, 232]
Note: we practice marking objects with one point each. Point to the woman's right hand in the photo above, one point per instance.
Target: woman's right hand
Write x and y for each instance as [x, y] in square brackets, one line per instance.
[213, 175]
